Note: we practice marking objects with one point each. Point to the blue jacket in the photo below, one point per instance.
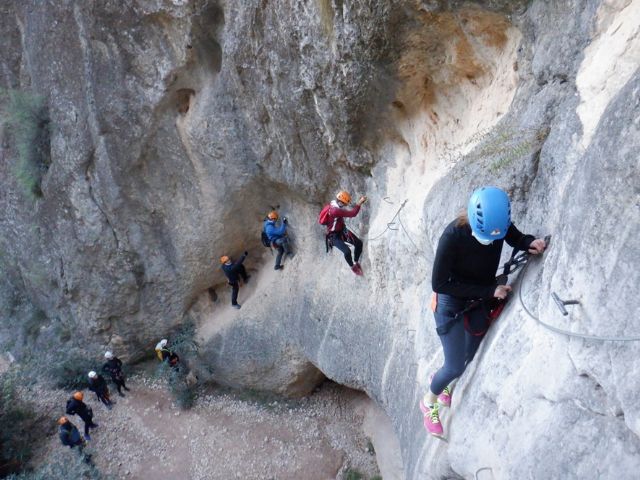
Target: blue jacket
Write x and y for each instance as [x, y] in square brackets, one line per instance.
[273, 232]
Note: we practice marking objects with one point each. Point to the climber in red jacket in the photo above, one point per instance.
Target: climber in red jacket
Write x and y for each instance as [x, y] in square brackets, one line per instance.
[338, 235]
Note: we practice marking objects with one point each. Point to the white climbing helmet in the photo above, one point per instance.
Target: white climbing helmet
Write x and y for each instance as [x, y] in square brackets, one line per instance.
[108, 355]
[92, 374]
[161, 344]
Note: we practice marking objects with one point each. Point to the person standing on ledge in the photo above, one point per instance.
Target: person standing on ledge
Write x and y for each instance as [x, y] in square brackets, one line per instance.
[69, 434]
[76, 406]
[98, 385]
[338, 235]
[234, 271]
[113, 367]
[464, 271]
[277, 236]
[165, 354]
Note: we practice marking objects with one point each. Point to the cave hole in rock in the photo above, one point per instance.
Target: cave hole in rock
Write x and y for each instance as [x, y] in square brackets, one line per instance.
[183, 100]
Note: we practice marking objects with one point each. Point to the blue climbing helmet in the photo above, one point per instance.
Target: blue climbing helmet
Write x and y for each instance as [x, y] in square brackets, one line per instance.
[489, 212]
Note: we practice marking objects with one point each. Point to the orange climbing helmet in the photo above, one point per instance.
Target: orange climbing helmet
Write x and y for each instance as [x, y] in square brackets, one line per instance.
[62, 420]
[78, 396]
[273, 215]
[344, 197]
[224, 259]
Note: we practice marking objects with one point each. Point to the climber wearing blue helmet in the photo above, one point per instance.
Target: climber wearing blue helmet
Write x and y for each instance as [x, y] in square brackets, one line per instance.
[464, 271]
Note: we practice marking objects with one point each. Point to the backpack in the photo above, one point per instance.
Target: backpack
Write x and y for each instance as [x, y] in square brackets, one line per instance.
[265, 239]
[324, 218]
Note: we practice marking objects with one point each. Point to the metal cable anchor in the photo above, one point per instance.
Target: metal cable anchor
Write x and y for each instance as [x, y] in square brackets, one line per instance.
[561, 303]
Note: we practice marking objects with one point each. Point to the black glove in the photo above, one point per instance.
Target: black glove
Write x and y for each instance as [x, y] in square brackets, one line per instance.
[284, 220]
[246, 253]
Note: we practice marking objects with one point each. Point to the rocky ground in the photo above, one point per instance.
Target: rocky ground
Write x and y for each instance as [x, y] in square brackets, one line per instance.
[229, 434]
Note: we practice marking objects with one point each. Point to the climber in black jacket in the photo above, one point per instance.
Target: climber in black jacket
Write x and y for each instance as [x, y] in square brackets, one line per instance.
[234, 271]
[98, 385]
[113, 367]
[76, 406]
[463, 281]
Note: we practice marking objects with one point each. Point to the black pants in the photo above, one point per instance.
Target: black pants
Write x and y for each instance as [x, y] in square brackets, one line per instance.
[104, 397]
[235, 286]
[340, 242]
[88, 423]
[119, 382]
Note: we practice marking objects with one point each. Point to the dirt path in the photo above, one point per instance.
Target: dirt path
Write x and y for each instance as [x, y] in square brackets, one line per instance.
[226, 436]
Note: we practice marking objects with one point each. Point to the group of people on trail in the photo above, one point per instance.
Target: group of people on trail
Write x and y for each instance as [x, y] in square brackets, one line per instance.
[465, 289]
[274, 235]
[67, 431]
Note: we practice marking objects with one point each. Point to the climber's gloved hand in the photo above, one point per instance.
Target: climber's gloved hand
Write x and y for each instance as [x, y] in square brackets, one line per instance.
[246, 253]
[284, 220]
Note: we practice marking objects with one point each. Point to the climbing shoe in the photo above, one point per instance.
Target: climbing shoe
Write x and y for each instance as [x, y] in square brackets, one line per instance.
[357, 269]
[444, 398]
[278, 267]
[87, 437]
[246, 280]
[236, 306]
[432, 419]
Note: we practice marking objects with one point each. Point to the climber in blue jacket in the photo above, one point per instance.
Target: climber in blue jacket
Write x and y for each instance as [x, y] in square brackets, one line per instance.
[277, 236]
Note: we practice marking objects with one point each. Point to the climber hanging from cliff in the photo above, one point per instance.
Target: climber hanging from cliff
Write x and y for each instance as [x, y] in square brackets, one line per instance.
[464, 285]
[234, 271]
[277, 236]
[338, 235]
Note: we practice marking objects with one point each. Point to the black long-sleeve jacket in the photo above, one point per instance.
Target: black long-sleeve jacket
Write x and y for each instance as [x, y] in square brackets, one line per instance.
[114, 368]
[98, 385]
[465, 268]
[78, 407]
[231, 271]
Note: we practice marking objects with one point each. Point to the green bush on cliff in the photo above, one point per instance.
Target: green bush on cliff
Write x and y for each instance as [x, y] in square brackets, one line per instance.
[182, 343]
[64, 465]
[22, 426]
[27, 118]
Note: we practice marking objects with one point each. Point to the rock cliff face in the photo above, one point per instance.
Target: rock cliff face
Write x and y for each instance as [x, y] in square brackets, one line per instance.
[159, 134]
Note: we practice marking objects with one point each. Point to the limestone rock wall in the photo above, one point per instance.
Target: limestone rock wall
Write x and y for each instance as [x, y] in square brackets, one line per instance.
[175, 125]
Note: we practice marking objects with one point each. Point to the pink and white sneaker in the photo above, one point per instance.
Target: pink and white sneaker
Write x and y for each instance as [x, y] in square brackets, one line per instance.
[444, 398]
[432, 419]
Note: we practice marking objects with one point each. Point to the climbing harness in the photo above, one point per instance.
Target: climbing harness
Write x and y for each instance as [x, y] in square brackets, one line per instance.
[493, 306]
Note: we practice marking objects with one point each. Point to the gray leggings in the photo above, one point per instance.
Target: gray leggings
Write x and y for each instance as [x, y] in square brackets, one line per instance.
[458, 344]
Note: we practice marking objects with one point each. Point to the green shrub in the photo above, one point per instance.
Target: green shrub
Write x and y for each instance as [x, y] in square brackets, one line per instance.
[352, 474]
[22, 426]
[27, 117]
[63, 465]
[69, 370]
[182, 343]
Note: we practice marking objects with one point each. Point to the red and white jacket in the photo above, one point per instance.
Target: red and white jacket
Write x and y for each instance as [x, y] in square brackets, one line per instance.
[337, 215]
